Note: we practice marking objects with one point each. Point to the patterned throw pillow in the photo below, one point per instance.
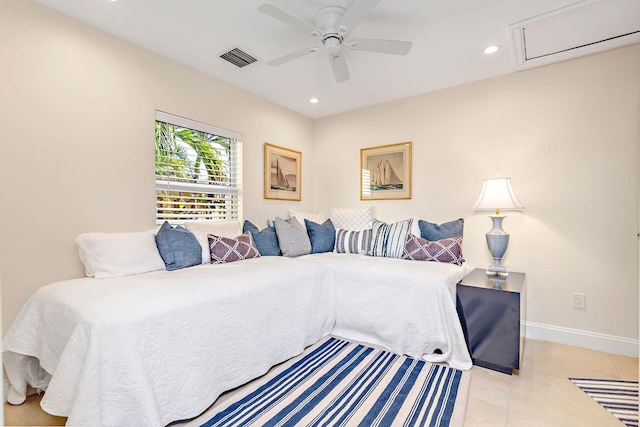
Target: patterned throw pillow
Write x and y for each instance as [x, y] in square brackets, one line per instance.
[318, 218]
[266, 240]
[444, 250]
[433, 232]
[388, 240]
[353, 242]
[355, 219]
[292, 237]
[225, 249]
[178, 247]
[202, 229]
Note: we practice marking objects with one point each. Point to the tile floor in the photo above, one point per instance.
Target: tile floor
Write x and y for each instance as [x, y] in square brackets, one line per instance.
[539, 395]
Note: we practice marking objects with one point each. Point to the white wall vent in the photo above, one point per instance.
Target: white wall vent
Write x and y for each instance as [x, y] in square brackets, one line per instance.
[579, 29]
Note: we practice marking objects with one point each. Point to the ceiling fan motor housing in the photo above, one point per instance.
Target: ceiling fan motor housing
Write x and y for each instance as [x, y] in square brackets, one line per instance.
[327, 20]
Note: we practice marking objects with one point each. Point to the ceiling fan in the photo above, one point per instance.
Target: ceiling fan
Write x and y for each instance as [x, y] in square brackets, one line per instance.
[332, 24]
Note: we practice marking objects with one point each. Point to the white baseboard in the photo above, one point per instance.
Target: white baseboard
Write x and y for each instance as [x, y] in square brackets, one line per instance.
[578, 338]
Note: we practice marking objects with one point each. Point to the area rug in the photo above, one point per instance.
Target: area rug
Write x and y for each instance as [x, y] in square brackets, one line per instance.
[340, 383]
[616, 396]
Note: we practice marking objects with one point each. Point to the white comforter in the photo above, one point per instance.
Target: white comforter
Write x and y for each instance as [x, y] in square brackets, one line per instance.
[406, 306]
[150, 349]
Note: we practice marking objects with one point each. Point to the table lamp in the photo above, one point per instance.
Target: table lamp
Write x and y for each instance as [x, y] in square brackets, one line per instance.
[497, 195]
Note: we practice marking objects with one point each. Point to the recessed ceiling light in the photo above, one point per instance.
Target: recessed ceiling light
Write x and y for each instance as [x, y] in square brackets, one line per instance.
[491, 49]
[313, 100]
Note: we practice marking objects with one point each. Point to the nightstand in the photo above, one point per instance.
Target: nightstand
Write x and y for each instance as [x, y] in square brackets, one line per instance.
[491, 317]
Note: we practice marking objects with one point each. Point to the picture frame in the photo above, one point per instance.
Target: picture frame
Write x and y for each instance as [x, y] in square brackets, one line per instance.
[385, 172]
[282, 173]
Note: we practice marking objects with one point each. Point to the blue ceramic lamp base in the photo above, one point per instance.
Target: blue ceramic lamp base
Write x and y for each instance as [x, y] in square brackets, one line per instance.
[497, 241]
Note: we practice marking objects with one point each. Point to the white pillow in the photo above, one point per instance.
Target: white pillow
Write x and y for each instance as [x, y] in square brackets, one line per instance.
[119, 254]
[318, 218]
[415, 229]
[354, 219]
[201, 229]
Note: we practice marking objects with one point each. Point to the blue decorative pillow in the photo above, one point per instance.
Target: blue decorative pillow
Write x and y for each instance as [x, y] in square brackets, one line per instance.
[322, 236]
[178, 247]
[266, 240]
[434, 232]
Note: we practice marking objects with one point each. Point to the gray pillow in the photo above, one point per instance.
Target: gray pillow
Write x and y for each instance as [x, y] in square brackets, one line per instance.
[292, 237]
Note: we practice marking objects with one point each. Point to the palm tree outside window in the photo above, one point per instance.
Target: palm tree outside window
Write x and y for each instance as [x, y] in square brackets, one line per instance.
[196, 171]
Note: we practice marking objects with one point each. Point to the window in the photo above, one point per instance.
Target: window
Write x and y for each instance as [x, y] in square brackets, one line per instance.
[196, 171]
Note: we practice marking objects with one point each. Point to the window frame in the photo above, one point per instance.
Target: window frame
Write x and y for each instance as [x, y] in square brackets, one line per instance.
[232, 190]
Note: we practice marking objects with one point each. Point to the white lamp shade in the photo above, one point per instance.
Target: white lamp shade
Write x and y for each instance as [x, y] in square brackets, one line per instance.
[497, 194]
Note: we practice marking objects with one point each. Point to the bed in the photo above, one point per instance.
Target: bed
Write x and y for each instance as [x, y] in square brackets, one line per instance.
[153, 348]
[150, 349]
[406, 306]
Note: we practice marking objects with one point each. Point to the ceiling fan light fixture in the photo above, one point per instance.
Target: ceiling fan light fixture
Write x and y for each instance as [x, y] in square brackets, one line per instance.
[332, 43]
[491, 49]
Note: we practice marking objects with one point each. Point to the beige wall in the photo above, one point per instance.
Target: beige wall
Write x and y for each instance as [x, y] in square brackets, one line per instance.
[77, 109]
[568, 136]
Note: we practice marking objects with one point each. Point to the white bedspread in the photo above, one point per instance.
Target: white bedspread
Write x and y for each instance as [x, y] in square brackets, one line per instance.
[406, 306]
[150, 349]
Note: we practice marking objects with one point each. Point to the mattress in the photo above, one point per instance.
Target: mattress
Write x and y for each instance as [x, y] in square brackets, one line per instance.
[149, 349]
[406, 306]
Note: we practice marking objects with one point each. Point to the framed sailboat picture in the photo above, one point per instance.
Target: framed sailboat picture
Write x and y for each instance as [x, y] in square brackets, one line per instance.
[385, 172]
[282, 173]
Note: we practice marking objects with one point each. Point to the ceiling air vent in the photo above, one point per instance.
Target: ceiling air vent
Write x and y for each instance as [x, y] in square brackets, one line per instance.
[238, 58]
[579, 29]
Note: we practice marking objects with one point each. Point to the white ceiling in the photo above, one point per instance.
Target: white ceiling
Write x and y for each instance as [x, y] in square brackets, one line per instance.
[448, 42]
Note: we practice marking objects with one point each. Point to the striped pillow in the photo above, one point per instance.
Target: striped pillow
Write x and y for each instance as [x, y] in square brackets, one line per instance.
[353, 242]
[388, 240]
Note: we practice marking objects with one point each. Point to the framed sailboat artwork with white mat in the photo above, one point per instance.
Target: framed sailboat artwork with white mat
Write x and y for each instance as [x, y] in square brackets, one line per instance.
[385, 172]
[282, 173]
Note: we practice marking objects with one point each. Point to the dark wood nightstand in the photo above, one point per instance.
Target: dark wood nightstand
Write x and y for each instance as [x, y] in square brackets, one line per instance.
[491, 314]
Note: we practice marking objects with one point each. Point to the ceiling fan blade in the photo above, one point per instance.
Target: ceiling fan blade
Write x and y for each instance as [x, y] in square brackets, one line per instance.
[291, 56]
[394, 47]
[284, 16]
[339, 66]
[355, 14]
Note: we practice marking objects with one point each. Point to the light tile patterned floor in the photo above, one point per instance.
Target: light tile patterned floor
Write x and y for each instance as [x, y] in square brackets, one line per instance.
[539, 395]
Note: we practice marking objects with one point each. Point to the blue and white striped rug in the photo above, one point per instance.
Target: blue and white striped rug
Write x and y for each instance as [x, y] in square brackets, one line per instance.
[339, 383]
[616, 396]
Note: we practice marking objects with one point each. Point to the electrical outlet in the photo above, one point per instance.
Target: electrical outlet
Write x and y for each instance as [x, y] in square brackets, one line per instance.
[578, 301]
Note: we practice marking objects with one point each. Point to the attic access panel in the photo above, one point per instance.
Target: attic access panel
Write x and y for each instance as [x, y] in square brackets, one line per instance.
[579, 29]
